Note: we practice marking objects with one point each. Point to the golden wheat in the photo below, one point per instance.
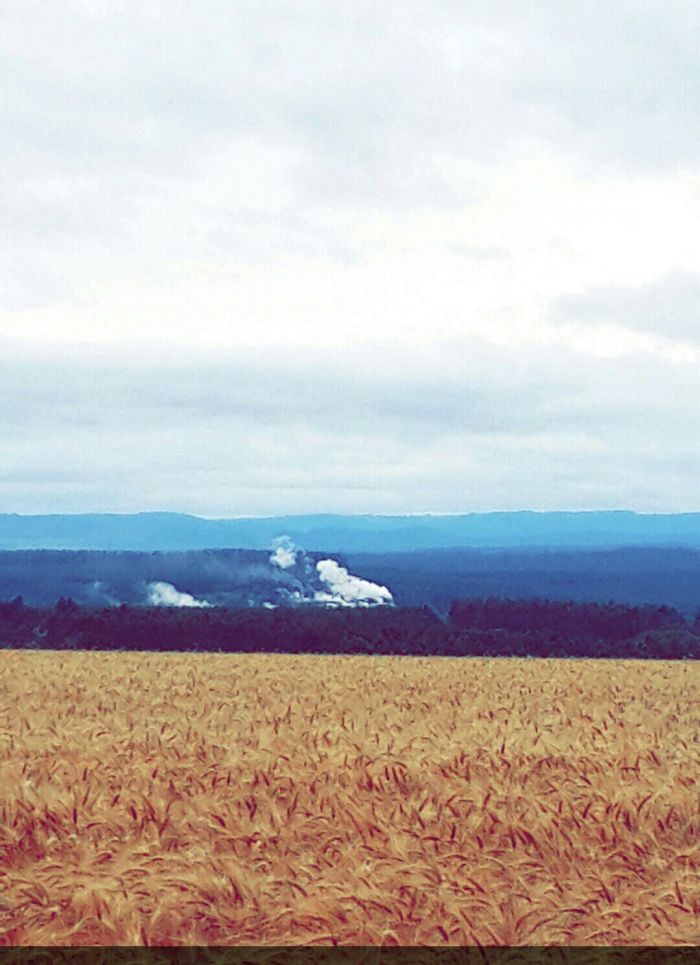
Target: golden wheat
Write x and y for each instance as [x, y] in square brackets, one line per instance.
[261, 799]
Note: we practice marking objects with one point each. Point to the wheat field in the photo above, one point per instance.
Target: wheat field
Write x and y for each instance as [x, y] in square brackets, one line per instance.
[168, 799]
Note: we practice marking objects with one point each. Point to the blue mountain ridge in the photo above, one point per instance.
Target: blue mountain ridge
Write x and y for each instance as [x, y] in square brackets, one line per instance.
[150, 531]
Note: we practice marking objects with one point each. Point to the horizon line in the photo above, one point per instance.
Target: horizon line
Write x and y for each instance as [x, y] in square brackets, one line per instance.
[350, 515]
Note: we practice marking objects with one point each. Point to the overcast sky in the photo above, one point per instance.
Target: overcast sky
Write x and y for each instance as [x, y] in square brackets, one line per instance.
[336, 255]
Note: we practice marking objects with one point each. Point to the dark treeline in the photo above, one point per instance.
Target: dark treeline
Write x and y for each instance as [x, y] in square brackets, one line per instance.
[589, 621]
[492, 627]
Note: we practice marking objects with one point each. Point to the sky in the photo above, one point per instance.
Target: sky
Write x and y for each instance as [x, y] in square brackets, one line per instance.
[344, 256]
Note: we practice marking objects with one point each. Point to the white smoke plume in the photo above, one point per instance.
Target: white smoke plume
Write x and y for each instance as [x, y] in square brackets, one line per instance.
[338, 586]
[165, 594]
[284, 553]
[344, 589]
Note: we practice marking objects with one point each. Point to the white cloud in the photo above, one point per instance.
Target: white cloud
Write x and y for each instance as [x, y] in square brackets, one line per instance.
[293, 255]
[661, 313]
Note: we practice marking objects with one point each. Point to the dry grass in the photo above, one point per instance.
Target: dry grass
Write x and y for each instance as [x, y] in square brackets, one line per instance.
[168, 799]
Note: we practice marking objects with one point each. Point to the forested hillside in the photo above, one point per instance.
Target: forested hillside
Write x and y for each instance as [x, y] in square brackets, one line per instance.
[634, 576]
[631, 575]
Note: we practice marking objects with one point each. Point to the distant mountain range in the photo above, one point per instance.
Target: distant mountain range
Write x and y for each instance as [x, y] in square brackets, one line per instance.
[346, 534]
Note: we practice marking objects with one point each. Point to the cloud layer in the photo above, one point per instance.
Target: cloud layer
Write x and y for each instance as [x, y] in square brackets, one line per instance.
[296, 256]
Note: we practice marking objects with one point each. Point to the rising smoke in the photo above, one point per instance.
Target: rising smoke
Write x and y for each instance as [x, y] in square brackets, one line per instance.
[284, 554]
[327, 583]
[344, 589]
[165, 594]
[286, 576]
